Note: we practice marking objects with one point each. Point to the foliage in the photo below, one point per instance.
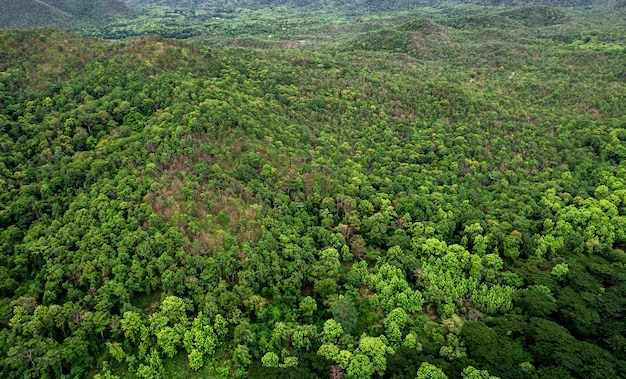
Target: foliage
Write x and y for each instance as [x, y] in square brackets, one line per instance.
[58, 13]
[452, 209]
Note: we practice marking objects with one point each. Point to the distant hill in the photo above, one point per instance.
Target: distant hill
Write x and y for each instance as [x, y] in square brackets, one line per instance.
[514, 18]
[536, 15]
[92, 9]
[369, 4]
[28, 13]
[483, 20]
[418, 37]
[57, 13]
[552, 3]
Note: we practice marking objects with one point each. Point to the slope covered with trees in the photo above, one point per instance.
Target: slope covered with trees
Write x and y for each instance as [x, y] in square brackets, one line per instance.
[444, 197]
[64, 14]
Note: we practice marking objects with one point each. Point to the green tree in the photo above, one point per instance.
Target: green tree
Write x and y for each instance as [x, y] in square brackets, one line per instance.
[195, 358]
[169, 340]
[360, 367]
[430, 371]
[472, 373]
[345, 313]
[560, 271]
[332, 331]
[241, 356]
[270, 360]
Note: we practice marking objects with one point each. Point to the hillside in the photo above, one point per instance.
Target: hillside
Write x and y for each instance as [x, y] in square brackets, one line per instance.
[419, 37]
[292, 23]
[420, 195]
[29, 13]
[62, 14]
[92, 9]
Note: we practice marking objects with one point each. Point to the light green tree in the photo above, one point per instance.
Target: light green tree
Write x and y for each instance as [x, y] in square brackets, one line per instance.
[289, 362]
[169, 340]
[270, 359]
[495, 298]
[411, 342]
[131, 325]
[174, 309]
[360, 367]
[430, 371]
[196, 360]
[392, 290]
[329, 351]
[560, 271]
[472, 373]
[332, 331]
[376, 349]
[116, 351]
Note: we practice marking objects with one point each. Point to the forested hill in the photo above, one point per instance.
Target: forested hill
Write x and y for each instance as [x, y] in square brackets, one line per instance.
[368, 4]
[189, 18]
[63, 14]
[449, 202]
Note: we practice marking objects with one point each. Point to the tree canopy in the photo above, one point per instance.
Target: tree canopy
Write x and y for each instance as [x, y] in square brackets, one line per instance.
[441, 196]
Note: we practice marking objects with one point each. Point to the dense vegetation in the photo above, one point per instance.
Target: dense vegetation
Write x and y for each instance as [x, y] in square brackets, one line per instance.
[440, 195]
[66, 14]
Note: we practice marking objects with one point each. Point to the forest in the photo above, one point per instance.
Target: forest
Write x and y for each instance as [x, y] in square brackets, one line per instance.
[304, 189]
